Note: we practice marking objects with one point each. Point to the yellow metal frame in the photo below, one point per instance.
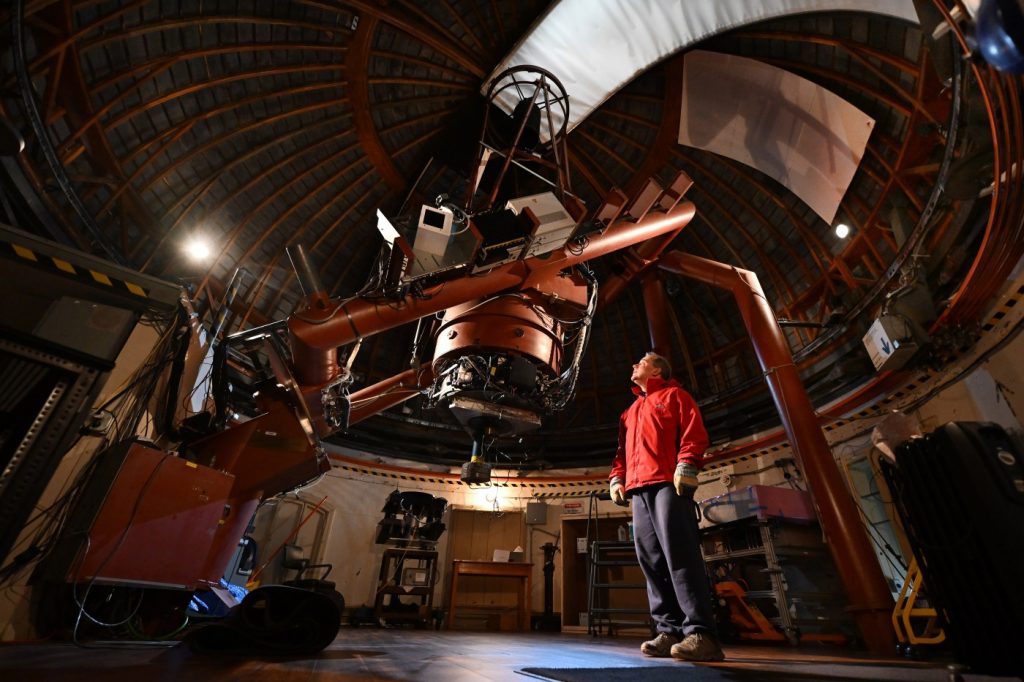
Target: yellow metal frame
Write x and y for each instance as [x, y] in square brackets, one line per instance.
[905, 610]
[745, 616]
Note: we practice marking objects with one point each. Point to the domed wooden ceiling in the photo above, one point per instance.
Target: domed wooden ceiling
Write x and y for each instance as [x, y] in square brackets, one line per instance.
[266, 124]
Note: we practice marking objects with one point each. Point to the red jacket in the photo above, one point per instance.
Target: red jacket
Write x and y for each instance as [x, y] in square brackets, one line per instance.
[659, 430]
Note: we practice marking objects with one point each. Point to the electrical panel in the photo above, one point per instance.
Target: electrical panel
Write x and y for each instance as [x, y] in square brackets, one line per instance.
[890, 343]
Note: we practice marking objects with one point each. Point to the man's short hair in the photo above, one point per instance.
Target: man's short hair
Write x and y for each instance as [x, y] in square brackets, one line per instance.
[661, 363]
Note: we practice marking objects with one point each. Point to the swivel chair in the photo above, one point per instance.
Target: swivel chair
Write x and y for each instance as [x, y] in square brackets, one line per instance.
[294, 558]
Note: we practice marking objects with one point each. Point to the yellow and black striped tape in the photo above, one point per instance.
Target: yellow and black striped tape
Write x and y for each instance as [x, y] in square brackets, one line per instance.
[540, 488]
[82, 274]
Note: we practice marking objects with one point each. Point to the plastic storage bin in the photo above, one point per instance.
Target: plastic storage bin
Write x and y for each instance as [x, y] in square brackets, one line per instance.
[762, 501]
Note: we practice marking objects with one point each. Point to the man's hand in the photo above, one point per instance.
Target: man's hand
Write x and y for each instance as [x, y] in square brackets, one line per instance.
[618, 493]
[685, 480]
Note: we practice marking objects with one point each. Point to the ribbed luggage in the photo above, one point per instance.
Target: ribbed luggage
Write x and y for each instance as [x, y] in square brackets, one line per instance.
[960, 493]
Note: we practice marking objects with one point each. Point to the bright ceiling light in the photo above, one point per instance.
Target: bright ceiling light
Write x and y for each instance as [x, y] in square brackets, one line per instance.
[197, 249]
[842, 230]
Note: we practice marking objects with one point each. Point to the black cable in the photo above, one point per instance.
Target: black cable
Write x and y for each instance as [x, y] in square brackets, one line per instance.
[881, 542]
[120, 541]
[45, 538]
[219, 384]
[182, 339]
[126, 407]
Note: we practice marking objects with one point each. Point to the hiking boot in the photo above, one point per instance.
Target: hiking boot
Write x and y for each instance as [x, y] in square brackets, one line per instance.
[661, 645]
[698, 647]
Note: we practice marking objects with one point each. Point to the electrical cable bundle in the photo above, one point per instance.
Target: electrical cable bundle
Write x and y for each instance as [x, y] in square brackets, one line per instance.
[127, 408]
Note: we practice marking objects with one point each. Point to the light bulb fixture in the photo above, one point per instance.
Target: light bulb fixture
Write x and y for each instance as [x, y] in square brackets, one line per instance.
[197, 249]
[842, 230]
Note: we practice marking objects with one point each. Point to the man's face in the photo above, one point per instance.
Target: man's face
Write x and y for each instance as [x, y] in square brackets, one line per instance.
[644, 370]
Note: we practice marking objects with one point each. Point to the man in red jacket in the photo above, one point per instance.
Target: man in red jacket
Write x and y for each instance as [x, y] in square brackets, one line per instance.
[661, 444]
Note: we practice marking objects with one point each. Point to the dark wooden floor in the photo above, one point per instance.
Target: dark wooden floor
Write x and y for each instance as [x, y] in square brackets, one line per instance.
[407, 654]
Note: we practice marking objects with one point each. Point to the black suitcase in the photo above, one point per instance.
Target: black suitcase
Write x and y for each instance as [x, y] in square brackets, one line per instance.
[960, 494]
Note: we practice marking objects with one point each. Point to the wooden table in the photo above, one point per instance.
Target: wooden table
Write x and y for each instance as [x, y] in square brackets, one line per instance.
[500, 569]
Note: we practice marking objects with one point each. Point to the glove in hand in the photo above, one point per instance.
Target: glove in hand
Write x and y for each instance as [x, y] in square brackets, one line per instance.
[618, 493]
[685, 480]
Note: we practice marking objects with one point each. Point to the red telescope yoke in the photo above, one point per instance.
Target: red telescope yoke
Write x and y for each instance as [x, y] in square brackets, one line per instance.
[325, 324]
